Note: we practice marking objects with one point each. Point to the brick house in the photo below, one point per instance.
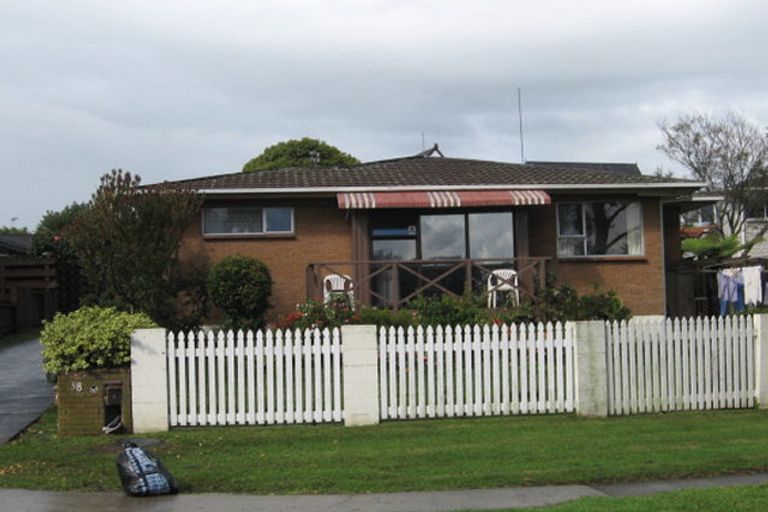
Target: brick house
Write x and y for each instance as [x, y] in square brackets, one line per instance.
[393, 229]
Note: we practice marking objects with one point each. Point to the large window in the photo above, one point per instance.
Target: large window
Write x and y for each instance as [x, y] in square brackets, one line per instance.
[491, 235]
[599, 229]
[442, 236]
[247, 220]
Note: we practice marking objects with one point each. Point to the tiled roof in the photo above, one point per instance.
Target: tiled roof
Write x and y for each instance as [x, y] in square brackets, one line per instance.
[15, 244]
[621, 168]
[420, 172]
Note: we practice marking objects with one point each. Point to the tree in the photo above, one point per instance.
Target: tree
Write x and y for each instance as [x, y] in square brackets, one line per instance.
[48, 237]
[127, 242]
[13, 230]
[729, 153]
[306, 152]
[49, 240]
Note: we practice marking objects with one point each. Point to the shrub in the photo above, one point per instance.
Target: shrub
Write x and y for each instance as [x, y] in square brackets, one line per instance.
[562, 303]
[338, 312]
[387, 317]
[552, 303]
[312, 314]
[91, 337]
[127, 240]
[241, 287]
[449, 310]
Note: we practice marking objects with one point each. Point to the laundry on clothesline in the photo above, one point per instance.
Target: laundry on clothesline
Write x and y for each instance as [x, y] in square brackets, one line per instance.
[740, 287]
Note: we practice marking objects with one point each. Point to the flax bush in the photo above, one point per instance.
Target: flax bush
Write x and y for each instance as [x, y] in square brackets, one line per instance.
[91, 337]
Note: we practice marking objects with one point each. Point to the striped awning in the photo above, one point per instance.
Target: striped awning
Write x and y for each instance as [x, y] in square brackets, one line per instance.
[441, 199]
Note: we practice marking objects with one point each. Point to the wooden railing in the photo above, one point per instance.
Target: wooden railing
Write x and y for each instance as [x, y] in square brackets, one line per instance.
[394, 283]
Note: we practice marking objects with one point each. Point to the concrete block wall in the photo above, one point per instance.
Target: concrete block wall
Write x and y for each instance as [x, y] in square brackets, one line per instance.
[149, 373]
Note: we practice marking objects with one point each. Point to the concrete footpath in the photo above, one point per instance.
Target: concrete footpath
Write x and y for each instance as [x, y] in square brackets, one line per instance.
[13, 500]
[24, 392]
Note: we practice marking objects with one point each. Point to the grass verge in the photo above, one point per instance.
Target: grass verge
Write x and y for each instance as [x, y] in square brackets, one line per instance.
[720, 499]
[406, 456]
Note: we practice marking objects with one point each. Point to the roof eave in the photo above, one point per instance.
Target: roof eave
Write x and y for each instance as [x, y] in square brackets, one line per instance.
[692, 186]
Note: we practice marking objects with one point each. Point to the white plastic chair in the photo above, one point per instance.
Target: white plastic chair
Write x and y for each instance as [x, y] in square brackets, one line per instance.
[338, 284]
[502, 280]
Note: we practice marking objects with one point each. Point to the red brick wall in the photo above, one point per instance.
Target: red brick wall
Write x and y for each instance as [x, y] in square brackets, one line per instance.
[639, 281]
[322, 233]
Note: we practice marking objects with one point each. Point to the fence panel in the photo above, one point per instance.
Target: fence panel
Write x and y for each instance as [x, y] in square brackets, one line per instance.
[476, 371]
[247, 378]
[682, 364]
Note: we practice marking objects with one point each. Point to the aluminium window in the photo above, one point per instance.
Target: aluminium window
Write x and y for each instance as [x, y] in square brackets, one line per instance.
[599, 229]
[247, 220]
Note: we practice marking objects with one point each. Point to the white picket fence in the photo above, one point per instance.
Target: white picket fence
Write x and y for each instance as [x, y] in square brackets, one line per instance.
[282, 377]
[263, 377]
[475, 371]
[672, 365]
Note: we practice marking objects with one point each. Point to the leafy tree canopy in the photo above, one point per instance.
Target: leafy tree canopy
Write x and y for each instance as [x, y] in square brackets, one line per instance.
[13, 230]
[127, 240]
[717, 247]
[306, 152]
[49, 232]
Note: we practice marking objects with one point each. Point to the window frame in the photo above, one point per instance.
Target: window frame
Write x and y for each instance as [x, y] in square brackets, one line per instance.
[583, 236]
[255, 234]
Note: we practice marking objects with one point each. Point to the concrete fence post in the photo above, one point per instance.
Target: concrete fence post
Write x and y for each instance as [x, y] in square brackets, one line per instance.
[149, 381]
[591, 368]
[361, 375]
[761, 360]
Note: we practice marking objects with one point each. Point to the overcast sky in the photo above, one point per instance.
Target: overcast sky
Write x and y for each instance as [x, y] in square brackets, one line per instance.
[171, 89]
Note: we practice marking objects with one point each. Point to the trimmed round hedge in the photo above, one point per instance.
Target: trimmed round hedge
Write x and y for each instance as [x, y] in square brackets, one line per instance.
[91, 337]
[241, 287]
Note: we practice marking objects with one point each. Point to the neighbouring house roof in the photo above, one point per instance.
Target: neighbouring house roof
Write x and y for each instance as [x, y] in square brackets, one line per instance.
[620, 168]
[433, 173]
[696, 231]
[15, 244]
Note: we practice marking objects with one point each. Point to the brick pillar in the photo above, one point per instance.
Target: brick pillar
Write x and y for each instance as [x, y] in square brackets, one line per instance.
[149, 380]
[591, 369]
[361, 375]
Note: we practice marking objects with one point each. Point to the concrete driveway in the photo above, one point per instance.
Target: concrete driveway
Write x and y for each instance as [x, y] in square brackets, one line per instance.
[24, 392]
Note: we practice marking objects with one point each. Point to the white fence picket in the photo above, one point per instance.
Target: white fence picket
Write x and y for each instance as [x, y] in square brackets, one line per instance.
[681, 364]
[246, 378]
[173, 411]
[475, 371]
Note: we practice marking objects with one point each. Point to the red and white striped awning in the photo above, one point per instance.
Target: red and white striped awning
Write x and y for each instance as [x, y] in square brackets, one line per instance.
[441, 199]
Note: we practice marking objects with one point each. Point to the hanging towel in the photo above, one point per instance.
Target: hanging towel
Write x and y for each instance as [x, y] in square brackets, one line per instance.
[753, 285]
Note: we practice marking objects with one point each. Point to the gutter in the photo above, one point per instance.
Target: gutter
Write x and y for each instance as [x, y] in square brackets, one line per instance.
[404, 188]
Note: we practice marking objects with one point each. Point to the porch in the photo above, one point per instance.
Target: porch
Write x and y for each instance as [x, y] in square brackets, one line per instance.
[393, 284]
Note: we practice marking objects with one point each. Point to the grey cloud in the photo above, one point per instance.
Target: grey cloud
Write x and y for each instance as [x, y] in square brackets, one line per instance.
[178, 89]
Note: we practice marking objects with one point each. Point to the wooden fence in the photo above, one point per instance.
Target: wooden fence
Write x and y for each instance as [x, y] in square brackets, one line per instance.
[681, 364]
[475, 371]
[263, 377]
[27, 292]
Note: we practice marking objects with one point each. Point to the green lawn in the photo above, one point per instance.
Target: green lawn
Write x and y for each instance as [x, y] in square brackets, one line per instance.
[722, 499]
[407, 456]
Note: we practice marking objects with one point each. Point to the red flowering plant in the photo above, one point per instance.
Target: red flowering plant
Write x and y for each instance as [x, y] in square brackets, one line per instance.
[313, 314]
